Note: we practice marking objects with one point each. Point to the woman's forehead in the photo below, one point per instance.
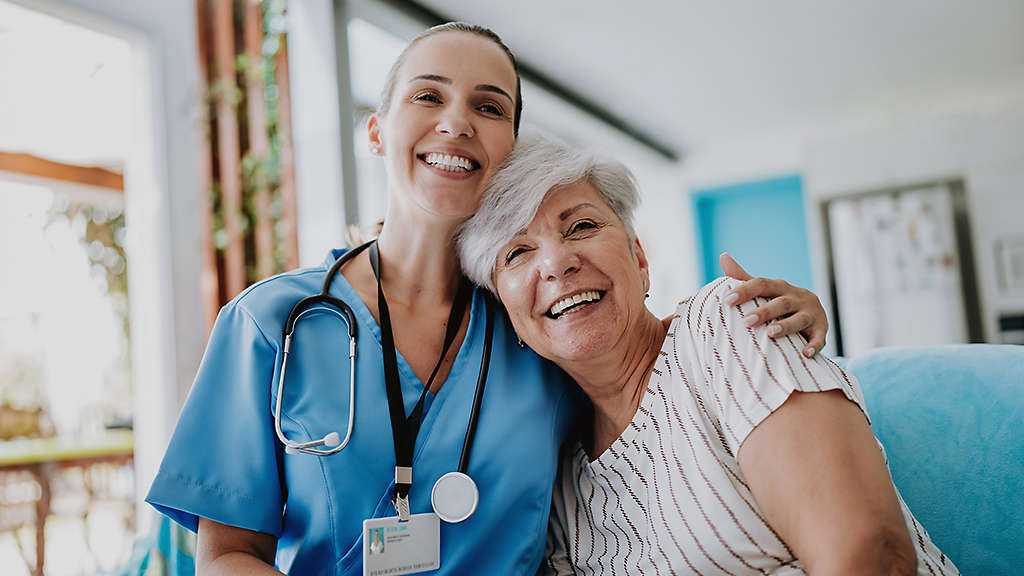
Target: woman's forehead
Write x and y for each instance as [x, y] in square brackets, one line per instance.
[569, 198]
[460, 57]
[562, 203]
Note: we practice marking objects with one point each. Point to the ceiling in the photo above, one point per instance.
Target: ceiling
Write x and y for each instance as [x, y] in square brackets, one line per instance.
[693, 74]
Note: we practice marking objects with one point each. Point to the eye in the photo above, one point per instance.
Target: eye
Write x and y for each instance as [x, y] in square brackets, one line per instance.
[427, 97]
[581, 226]
[490, 108]
[513, 254]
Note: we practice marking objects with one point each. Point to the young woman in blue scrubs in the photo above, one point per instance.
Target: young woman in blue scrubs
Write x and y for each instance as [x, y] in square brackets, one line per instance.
[449, 116]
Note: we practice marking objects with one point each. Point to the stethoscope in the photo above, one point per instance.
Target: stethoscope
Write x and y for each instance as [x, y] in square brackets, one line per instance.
[455, 495]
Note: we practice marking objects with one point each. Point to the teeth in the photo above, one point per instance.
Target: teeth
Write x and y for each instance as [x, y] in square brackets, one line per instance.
[570, 301]
[448, 162]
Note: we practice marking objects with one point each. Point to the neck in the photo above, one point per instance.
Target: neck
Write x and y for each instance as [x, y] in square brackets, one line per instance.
[615, 382]
[418, 261]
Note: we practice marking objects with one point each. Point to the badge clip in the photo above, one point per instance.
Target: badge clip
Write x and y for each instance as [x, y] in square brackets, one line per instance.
[401, 507]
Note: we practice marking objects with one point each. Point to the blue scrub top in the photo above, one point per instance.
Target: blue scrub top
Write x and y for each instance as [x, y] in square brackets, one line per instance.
[224, 461]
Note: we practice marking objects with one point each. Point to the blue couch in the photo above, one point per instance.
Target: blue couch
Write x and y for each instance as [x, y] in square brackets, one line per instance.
[951, 419]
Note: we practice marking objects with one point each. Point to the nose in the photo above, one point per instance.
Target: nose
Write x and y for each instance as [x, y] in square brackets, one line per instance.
[454, 122]
[557, 261]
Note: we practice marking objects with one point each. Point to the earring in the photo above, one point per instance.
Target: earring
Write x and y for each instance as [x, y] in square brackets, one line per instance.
[521, 343]
[648, 295]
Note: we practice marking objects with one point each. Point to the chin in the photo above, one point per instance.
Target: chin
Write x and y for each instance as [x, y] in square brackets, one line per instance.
[453, 204]
[578, 347]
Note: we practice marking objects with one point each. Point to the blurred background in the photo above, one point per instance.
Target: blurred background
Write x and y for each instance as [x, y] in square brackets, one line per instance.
[157, 157]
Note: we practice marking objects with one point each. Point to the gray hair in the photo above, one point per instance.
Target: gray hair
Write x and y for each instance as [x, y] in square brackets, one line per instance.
[534, 168]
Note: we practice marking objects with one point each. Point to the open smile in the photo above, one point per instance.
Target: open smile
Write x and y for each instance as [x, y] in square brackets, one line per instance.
[574, 303]
[449, 163]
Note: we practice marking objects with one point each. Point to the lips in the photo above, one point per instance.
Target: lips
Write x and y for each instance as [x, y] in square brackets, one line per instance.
[573, 302]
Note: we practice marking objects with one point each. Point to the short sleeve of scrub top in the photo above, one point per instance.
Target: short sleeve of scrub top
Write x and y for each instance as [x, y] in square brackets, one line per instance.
[224, 461]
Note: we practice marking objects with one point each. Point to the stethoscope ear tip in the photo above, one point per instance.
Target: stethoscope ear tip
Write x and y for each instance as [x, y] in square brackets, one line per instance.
[290, 450]
[332, 440]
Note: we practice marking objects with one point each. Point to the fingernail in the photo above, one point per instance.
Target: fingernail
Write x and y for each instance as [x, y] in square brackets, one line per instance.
[750, 320]
[731, 298]
[809, 352]
[775, 330]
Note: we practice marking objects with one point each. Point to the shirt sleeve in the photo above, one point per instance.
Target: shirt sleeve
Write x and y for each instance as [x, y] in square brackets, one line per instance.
[223, 459]
[747, 374]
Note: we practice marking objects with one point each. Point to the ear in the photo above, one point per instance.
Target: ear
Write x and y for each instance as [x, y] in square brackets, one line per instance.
[373, 130]
[642, 263]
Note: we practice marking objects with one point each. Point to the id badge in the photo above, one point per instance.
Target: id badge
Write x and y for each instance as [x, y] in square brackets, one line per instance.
[392, 548]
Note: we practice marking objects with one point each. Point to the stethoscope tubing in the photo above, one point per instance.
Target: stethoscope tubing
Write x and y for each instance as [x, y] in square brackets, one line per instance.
[478, 396]
[343, 311]
[307, 447]
[322, 301]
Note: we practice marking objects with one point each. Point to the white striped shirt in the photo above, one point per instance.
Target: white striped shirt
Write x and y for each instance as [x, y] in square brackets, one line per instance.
[668, 496]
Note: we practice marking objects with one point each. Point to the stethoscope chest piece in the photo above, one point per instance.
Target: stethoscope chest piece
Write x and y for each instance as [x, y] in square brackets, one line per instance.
[454, 497]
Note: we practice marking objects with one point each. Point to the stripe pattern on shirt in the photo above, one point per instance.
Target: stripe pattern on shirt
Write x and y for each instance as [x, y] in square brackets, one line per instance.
[668, 497]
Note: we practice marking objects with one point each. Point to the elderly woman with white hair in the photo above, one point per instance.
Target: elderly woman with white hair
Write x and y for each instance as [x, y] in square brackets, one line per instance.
[710, 448]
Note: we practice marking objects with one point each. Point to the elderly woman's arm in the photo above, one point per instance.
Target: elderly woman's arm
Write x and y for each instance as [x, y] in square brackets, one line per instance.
[817, 474]
[223, 549]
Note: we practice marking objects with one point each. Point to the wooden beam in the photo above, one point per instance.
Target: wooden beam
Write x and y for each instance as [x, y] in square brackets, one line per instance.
[29, 165]
[286, 157]
[229, 145]
[259, 140]
[209, 280]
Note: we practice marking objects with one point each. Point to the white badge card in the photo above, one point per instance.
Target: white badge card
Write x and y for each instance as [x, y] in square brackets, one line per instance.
[392, 548]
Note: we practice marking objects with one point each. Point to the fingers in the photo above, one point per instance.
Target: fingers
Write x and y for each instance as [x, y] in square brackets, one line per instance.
[801, 322]
[763, 287]
[732, 268]
[790, 309]
[815, 339]
[789, 325]
[811, 328]
[789, 315]
[775, 308]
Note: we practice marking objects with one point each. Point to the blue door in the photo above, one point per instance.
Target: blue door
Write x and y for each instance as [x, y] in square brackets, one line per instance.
[761, 224]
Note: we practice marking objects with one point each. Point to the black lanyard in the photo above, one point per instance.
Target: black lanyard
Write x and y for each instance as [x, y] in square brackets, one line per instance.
[404, 428]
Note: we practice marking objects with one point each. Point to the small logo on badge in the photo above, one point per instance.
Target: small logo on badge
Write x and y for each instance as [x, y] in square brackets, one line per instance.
[376, 538]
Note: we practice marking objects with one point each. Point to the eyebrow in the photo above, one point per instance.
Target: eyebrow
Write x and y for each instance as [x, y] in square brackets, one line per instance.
[563, 215]
[574, 209]
[479, 87]
[494, 89]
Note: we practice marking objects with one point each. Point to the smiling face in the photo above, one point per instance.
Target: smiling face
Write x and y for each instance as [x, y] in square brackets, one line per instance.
[573, 282]
[449, 124]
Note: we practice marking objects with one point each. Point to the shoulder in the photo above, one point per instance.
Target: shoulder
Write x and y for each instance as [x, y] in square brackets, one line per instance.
[707, 303]
[270, 291]
[698, 315]
[268, 302]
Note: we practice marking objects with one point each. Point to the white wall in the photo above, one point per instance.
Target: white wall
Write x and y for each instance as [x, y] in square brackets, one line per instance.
[974, 132]
[162, 210]
[987, 152]
[315, 129]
